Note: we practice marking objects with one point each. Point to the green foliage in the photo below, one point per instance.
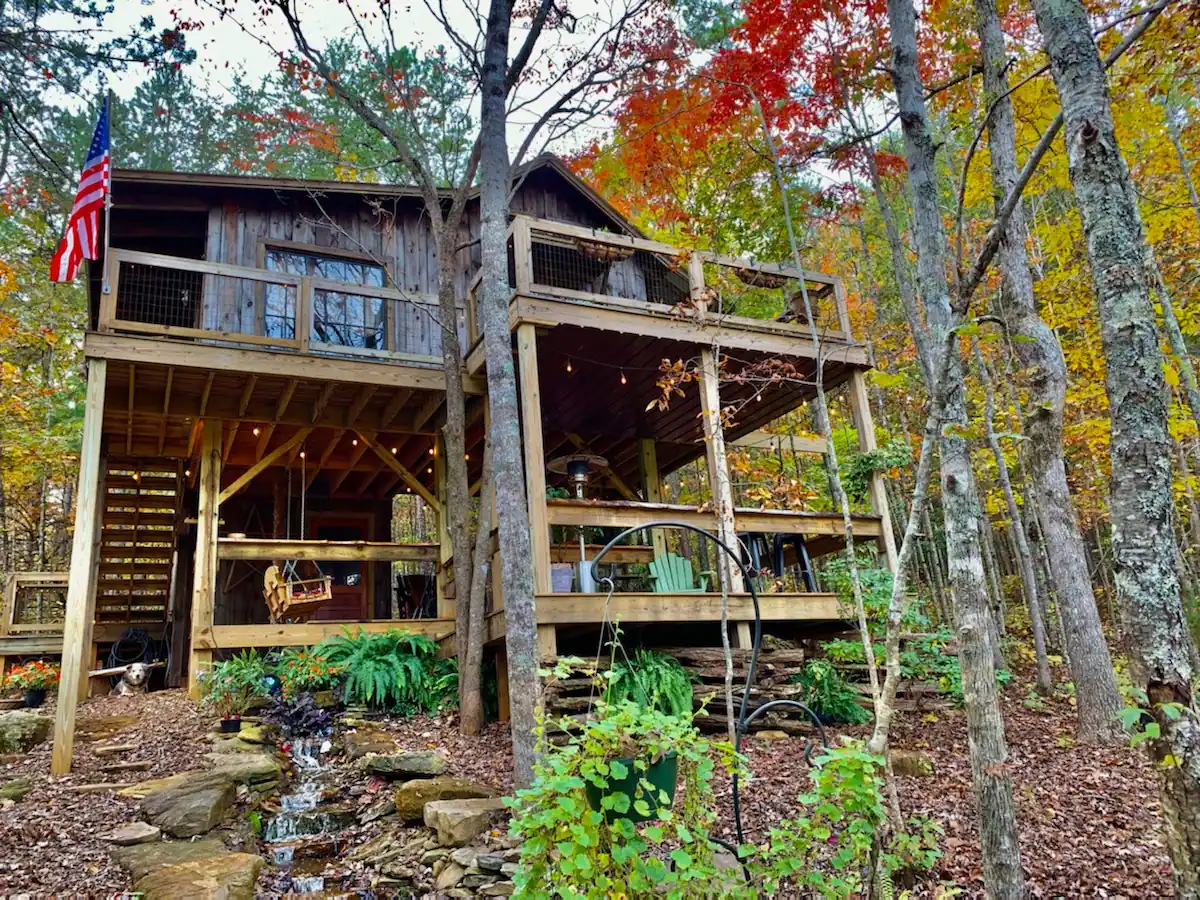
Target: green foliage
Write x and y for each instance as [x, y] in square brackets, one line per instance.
[568, 849]
[828, 694]
[827, 849]
[652, 680]
[859, 467]
[231, 685]
[395, 670]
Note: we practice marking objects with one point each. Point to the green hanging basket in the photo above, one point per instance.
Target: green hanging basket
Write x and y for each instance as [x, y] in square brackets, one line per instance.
[663, 775]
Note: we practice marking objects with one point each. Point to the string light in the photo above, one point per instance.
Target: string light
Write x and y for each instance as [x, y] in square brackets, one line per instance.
[257, 431]
[302, 454]
[569, 365]
[187, 473]
[467, 456]
[354, 442]
[758, 398]
[624, 380]
[430, 470]
[395, 449]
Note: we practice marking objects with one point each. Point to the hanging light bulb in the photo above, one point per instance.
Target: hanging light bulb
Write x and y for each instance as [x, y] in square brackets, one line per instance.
[302, 454]
[430, 470]
[624, 380]
[569, 365]
[354, 442]
[758, 398]
[257, 431]
[187, 473]
[395, 449]
[467, 457]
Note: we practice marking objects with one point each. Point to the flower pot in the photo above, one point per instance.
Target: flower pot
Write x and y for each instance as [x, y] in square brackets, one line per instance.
[35, 697]
[562, 576]
[231, 726]
[662, 774]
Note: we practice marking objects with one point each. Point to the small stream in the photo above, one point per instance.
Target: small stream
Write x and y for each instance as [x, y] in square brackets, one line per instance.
[303, 834]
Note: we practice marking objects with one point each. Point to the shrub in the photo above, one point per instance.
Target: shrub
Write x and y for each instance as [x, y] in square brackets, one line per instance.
[652, 680]
[569, 849]
[828, 694]
[231, 685]
[395, 670]
[825, 851]
[299, 716]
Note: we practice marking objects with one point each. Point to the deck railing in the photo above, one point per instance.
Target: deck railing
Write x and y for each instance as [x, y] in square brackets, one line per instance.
[568, 262]
[190, 299]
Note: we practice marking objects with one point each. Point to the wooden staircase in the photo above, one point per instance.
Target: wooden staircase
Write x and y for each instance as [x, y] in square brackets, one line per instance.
[142, 515]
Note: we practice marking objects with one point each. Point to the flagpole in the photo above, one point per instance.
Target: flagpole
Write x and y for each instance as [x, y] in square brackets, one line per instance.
[108, 193]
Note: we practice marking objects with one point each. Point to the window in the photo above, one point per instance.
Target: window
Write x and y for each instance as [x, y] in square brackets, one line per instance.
[338, 317]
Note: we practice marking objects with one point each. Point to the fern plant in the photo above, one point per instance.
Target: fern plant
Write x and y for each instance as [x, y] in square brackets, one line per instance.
[651, 680]
[829, 695]
[394, 670]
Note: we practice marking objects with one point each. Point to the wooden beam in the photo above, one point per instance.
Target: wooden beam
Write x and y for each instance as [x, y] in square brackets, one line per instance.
[264, 440]
[399, 398]
[273, 363]
[425, 413]
[250, 474]
[162, 428]
[205, 393]
[764, 440]
[247, 391]
[81, 588]
[589, 609]
[394, 464]
[613, 478]
[356, 454]
[334, 440]
[302, 635]
[535, 458]
[129, 419]
[621, 514]
[365, 393]
[322, 399]
[205, 574]
[332, 551]
[285, 398]
[229, 439]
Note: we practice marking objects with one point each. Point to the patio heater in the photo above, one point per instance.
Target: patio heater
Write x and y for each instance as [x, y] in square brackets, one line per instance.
[578, 467]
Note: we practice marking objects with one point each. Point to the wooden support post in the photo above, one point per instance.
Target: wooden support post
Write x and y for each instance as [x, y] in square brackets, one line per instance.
[535, 462]
[522, 253]
[652, 488]
[89, 646]
[547, 641]
[81, 598]
[865, 425]
[204, 575]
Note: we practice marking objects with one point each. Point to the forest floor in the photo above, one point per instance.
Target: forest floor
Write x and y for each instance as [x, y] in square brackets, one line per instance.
[1089, 816]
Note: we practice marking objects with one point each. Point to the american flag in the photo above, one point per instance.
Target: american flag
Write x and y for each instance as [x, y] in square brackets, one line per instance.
[82, 236]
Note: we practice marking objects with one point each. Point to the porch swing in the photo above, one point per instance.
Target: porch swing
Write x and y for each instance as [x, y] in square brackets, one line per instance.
[289, 597]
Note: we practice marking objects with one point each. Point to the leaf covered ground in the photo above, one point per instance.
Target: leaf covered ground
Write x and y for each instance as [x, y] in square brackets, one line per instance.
[1089, 816]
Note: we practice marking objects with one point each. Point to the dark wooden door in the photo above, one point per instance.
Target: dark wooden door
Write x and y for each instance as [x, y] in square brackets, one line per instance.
[350, 579]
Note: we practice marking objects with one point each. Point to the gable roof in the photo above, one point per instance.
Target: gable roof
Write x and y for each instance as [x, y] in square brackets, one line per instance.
[548, 162]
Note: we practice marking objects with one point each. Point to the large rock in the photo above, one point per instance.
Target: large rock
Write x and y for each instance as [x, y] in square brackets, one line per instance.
[458, 822]
[139, 860]
[412, 764]
[230, 876]
[193, 807]
[246, 768]
[150, 786]
[15, 789]
[911, 763]
[133, 833]
[412, 796]
[20, 730]
[449, 877]
[365, 741]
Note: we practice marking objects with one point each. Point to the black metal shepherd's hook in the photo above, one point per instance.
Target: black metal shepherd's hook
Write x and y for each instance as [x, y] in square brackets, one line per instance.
[744, 717]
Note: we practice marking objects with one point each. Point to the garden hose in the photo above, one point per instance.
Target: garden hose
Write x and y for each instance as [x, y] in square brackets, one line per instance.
[745, 717]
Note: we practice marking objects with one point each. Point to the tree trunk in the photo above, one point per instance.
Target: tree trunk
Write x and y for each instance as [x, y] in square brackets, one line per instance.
[470, 674]
[1002, 873]
[1141, 502]
[1041, 356]
[1024, 553]
[508, 471]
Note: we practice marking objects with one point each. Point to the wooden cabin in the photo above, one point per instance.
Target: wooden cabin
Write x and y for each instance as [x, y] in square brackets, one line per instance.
[265, 377]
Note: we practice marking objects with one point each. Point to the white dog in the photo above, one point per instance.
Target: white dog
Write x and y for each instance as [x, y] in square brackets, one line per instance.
[134, 680]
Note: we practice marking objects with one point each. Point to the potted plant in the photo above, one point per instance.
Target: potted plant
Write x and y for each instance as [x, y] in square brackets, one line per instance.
[624, 806]
[35, 679]
[230, 687]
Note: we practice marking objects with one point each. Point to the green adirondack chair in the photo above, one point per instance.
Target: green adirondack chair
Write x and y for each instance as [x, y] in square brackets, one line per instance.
[672, 574]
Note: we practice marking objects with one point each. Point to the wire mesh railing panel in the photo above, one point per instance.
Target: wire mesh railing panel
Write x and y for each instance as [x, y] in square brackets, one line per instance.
[593, 266]
[154, 295]
[769, 296]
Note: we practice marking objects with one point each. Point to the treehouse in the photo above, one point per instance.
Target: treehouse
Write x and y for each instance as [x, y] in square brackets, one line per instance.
[265, 379]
